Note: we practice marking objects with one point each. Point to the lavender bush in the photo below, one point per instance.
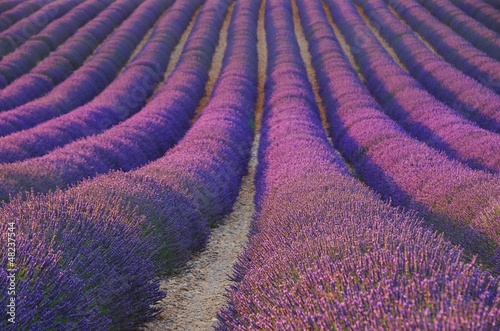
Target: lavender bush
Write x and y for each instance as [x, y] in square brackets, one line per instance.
[22, 31]
[66, 287]
[482, 12]
[124, 96]
[407, 102]
[13, 11]
[480, 36]
[325, 253]
[409, 173]
[207, 165]
[24, 58]
[144, 222]
[450, 45]
[64, 60]
[90, 79]
[456, 89]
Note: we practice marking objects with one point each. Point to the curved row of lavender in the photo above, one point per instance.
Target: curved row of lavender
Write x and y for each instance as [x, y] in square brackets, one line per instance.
[459, 91]
[8, 5]
[208, 164]
[25, 57]
[25, 29]
[149, 133]
[410, 104]
[88, 81]
[13, 11]
[493, 3]
[324, 252]
[472, 30]
[451, 46]
[456, 199]
[124, 96]
[81, 267]
[480, 11]
[146, 225]
[104, 242]
[68, 57]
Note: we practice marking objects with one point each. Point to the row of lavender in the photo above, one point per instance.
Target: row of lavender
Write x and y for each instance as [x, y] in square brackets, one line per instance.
[36, 77]
[124, 96]
[324, 252]
[411, 105]
[146, 135]
[21, 31]
[450, 45]
[209, 178]
[493, 3]
[95, 250]
[54, 34]
[472, 30]
[86, 82]
[449, 84]
[14, 10]
[461, 201]
[480, 11]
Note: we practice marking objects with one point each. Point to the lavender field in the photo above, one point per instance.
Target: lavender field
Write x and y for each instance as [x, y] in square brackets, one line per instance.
[358, 140]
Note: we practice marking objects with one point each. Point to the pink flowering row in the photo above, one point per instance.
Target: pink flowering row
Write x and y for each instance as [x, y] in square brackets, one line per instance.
[480, 11]
[480, 36]
[324, 252]
[91, 78]
[459, 91]
[450, 45]
[457, 199]
[408, 103]
[102, 244]
[63, 61]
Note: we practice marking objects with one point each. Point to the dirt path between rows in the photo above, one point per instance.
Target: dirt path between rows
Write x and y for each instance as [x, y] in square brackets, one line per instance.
[196, 294]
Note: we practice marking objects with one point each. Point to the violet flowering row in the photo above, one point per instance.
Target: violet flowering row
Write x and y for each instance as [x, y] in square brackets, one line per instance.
[91, 78]
[408, 172]
[208, 164]
[451, 46]
[482, 12]
[408, 103]
[493, 3]
[483, 38]
[148, 134]
[459, 91]
[25, 29]
[324, 252]
[8, 5]
[125, 96]
[127, 226]
[86, 264]
[19, 10]
[27, 56]
[68, 57]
